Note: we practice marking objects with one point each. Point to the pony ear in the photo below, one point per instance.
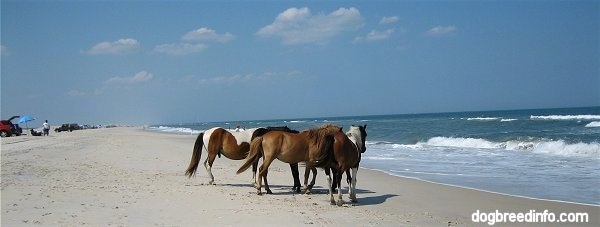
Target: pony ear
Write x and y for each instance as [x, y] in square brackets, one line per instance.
[365, 126]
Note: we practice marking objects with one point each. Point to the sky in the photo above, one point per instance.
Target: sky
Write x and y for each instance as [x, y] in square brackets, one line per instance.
[153, 62]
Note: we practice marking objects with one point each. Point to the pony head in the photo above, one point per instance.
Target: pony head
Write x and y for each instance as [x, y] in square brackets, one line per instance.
[359, 132]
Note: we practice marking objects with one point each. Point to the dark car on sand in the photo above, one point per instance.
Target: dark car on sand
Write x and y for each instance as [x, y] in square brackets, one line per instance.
[67, 127]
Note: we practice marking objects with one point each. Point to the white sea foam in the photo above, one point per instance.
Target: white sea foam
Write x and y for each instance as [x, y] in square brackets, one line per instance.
[593, 124]
[294, 121]
[483, 119]
[566, 117]
[459, 142]
[489, 119]
[176, 130]
[542, 147]
[562, 148]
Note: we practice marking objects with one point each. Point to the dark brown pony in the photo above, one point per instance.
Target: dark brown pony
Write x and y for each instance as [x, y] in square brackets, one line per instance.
[345, 155]
[309, 146]
[231, 144]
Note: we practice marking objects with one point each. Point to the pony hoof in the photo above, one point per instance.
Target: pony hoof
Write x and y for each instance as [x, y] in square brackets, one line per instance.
[269, 192]
[340, 203]
[259, 193]
[332, 202]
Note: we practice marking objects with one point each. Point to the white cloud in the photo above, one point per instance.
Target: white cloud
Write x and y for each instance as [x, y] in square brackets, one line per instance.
[389, 20]
[206, 34]
[441, 30]
[140, 77]
[179, 48]
[227, 79]
[240, 78]
[375, 35]
[121, 46]
[3, 50]
[298, 26]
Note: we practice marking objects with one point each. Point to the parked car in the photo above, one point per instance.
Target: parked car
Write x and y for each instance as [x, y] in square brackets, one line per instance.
[67, 127]
[6, 128]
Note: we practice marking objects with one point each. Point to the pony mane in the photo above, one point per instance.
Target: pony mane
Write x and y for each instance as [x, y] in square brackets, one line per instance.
[317, 134]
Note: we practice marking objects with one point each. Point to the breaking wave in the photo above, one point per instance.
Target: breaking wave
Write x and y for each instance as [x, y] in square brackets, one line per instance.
[490, 119]
[558, 147]
[566, 117]
[593, 124]
[176, 130]
[482, 118]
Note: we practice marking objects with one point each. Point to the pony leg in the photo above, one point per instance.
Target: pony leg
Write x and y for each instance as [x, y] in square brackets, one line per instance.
[307, 187]
[208, 167]
[254, 167]
[259, 179]
[264, 168]
[314, 171]
[331, 200]
[338, 183]
[352, 186]
[267, 183]
[349, 181]
[348, 177]
[296, 176]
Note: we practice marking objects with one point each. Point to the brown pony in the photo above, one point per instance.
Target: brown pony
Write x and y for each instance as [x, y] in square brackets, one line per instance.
[309, 146]
[346, 153]
[233, 145]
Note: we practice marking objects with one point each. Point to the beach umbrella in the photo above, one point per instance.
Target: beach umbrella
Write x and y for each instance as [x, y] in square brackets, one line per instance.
[25, 119]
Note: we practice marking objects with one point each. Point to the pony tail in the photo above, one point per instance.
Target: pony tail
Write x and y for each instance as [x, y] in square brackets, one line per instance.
[253, 155]
[191, 170]
[326, 151]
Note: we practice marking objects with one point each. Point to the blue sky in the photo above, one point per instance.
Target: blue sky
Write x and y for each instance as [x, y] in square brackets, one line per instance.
[148, 62]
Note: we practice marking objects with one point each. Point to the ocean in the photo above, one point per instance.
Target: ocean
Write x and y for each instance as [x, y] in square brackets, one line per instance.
[551, 154]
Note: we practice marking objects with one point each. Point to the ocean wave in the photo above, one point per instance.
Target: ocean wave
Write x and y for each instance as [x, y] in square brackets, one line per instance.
[294, 121]
[489, 119]
[483, 118]
[459, 142]
[177, 130]
[593, 124]
[558, 147]
[566, 117]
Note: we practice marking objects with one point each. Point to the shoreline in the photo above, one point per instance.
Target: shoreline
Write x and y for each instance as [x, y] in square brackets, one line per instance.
[130, 176]
[481, 190]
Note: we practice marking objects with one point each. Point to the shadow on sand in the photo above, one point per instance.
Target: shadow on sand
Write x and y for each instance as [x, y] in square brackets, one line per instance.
[287, 190]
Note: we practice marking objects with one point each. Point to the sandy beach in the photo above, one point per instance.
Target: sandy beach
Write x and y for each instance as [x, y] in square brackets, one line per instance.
[131, 177]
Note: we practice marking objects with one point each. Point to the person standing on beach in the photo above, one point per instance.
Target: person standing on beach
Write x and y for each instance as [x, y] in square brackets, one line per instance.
[46, 128]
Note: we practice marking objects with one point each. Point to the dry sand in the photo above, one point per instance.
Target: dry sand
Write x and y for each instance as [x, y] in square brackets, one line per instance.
[130, 177]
